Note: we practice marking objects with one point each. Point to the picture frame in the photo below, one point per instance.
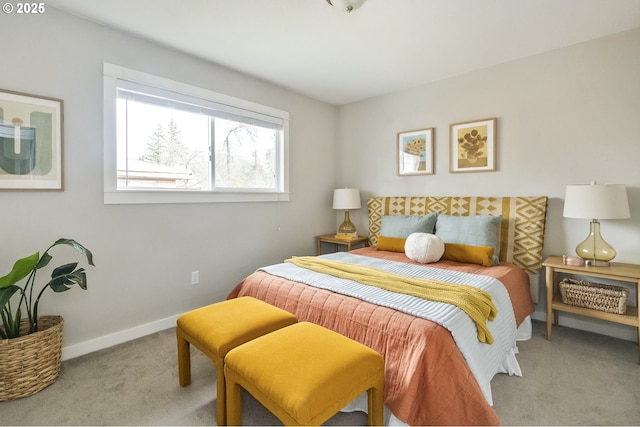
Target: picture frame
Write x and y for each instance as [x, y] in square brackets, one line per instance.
[472, 146]
[31, 136]
[415, 152]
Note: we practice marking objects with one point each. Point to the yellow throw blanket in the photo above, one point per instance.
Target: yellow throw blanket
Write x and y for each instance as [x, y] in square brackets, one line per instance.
[476, 303]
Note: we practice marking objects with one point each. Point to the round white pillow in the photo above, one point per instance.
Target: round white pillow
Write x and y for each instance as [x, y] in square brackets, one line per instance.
[424, 248]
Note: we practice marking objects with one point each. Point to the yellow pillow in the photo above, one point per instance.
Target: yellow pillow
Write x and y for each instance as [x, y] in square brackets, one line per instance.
[468, 254]
[392, 244]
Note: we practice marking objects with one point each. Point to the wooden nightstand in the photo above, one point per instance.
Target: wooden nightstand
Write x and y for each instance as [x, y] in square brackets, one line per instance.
[616, 271]
[330, 238]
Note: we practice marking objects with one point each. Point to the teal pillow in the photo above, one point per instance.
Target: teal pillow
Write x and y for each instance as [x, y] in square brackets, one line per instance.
[404, 225]
[476, 230]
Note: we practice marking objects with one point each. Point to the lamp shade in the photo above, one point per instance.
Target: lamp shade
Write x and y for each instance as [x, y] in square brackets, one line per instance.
[346, 198]
[596, 201]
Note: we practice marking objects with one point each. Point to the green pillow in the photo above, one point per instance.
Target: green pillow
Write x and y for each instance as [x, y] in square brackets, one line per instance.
[404, 225]
[474, 230]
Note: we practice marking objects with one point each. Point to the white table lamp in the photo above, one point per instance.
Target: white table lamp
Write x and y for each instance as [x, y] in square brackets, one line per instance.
[346, 198]
[596, 201]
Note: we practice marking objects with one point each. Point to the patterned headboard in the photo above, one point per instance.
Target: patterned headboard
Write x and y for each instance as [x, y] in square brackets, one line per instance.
[523, 219]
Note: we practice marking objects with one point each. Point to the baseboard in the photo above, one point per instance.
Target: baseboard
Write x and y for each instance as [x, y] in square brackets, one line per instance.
[588, 324]
[89, 346]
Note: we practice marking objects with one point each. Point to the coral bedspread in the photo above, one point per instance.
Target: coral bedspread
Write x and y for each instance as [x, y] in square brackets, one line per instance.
[427, 381]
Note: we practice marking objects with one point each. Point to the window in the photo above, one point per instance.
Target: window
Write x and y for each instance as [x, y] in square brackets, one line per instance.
[167, 142]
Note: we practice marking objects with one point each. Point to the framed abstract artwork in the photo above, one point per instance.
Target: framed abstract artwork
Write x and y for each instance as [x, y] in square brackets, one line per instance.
[472, 146]
[415, 152]
[30, 142]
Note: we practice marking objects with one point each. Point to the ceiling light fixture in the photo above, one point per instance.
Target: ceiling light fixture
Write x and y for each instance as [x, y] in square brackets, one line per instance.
[346, 5]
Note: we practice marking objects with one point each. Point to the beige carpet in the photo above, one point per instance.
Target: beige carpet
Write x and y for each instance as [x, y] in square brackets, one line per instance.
[578, 379]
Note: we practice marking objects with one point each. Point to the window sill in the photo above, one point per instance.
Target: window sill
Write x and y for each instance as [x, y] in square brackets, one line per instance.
[128, 197]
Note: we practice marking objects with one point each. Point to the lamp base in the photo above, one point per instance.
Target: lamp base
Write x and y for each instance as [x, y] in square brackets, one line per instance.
[596, 263]
[595, 251]
[347, 226]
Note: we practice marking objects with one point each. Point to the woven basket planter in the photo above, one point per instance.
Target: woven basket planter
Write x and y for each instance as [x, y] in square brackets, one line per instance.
[597, 296]
[31, 362]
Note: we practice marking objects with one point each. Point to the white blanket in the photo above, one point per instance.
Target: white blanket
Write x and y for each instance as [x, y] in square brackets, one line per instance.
[484, 360]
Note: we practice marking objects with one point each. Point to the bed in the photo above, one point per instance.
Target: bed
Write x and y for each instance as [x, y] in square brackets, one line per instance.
[436, 371]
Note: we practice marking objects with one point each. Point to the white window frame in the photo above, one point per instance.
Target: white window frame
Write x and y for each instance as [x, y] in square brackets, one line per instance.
[114, 195]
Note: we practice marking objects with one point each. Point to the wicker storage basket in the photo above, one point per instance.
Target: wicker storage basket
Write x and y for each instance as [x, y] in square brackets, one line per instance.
[597, 296]
[31, 362]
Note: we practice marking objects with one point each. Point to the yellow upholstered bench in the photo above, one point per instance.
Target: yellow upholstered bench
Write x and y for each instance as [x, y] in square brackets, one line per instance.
[304, 374]
[218, 328]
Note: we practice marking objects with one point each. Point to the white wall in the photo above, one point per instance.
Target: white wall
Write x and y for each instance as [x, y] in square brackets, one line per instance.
[564, 117]
[144, 254]
[568, 116]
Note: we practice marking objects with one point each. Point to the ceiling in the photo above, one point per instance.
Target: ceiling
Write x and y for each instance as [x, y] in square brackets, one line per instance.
[382, 47]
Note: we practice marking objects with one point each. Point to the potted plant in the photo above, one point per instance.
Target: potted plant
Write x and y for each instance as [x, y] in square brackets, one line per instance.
[30, 347]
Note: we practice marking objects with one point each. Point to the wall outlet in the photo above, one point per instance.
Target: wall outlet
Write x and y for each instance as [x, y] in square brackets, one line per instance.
[195, 277]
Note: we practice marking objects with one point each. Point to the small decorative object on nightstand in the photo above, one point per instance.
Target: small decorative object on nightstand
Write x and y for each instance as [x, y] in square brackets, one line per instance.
[614, 271]
[346, 198]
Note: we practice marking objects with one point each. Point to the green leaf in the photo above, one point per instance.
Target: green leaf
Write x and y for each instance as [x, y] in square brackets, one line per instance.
[5, 325]
[7, 293]
[63, 269]
[78, 247]
[81, 278]
[44, 261]
[59, 284]
[20, 270]
[64, 282]
[11, 325]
